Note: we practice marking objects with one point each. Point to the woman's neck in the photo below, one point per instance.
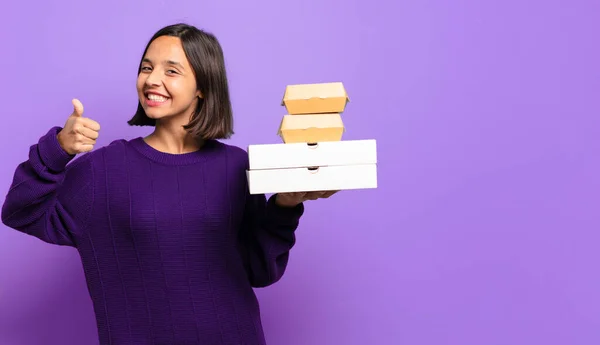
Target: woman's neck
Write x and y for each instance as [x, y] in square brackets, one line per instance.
[171, 137]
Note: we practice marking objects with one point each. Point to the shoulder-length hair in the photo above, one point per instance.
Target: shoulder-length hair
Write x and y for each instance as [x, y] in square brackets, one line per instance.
[213, 118]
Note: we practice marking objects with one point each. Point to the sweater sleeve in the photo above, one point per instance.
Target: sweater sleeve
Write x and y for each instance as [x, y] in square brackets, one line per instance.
[268, 236]
[49, 198]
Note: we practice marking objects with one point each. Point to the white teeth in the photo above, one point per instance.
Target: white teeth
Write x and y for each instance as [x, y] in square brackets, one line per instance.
[157, 98]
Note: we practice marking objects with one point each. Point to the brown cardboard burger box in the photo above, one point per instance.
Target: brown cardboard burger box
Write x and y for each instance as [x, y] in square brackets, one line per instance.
[313, 112]
[311, 128]
[313, 156]
[321, 98]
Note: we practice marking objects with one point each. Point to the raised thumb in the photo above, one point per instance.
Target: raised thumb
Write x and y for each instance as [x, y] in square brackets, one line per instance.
[77, 108]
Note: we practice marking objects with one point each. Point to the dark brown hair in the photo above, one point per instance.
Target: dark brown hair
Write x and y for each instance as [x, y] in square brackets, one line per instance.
[213, 118]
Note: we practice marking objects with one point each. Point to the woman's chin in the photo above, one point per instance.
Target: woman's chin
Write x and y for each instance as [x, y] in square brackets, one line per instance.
[156, 114]
[164, 117]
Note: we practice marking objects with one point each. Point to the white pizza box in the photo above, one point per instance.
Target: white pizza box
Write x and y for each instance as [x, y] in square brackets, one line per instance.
[302, 155]
[325, 178]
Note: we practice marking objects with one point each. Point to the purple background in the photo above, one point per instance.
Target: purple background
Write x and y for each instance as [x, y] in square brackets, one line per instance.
[485, 227]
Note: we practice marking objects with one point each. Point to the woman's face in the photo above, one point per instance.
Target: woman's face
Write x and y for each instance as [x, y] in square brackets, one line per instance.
[166, 84]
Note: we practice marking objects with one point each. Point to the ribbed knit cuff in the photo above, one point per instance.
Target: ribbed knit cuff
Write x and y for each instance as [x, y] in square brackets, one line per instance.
[52, 154]
[284, 215]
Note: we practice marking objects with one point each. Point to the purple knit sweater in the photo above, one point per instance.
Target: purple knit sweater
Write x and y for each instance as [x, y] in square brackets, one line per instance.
[171, 245]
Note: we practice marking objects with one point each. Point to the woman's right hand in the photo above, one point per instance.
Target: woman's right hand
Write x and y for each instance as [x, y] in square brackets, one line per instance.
[79, 134]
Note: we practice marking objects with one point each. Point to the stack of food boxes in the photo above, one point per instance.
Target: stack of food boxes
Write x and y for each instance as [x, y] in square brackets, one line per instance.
[313, 156]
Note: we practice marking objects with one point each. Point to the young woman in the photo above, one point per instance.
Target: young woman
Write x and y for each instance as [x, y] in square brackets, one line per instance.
[170, 240]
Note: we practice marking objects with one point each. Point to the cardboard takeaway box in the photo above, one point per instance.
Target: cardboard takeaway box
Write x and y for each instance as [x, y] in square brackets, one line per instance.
[302, 167]
[313, 156]
[320, 98]
[311, 128]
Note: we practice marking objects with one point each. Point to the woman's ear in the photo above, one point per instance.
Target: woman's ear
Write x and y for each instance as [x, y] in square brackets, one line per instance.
[199, 94]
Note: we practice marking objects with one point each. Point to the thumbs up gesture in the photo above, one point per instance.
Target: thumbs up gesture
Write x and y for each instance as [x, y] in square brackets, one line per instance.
[79, 134]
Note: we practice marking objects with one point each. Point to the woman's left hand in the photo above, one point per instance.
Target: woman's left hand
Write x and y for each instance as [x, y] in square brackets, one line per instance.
[295, 198]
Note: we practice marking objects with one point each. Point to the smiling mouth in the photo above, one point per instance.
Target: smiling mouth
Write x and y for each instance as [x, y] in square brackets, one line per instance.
[156, 98]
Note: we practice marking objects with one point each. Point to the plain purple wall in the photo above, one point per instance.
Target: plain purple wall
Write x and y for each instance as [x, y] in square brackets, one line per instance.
[485, 227]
